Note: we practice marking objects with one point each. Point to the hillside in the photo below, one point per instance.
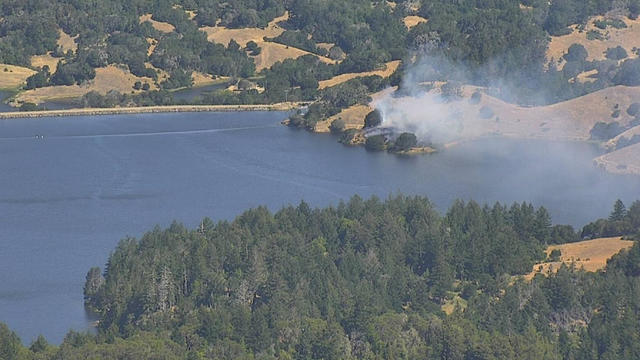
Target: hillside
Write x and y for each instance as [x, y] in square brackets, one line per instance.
[158, 25]
[352, 116]
[463, 119]
[623, 161]
[12, 76]
[628, 38]
[271, 52]
[107, 79]
[389, 68]
[590, 255]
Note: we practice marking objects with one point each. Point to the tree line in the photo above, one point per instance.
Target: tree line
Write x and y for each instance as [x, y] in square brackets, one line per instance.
[366, 279]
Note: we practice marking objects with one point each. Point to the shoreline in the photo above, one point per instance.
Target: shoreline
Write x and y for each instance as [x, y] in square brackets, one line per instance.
[148, 109]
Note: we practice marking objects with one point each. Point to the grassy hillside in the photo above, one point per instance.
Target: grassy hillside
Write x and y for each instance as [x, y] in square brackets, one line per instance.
[590, 255]
[12, 76]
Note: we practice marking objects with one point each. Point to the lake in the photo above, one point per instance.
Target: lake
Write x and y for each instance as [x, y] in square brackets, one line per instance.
[68, 198]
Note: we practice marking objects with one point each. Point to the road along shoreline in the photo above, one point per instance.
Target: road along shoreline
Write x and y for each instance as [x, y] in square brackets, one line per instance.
[149, 109]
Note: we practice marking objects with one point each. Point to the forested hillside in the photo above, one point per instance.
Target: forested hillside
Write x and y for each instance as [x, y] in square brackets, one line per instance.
[165, 42]
[367, 279]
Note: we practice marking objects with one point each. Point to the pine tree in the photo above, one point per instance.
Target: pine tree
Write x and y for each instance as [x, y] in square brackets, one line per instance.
[619, 211]
[543, 225]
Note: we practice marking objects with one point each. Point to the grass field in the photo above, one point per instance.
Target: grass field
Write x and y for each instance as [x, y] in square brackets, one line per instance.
[108, 78]
[413, 20]
[389, 69]
[271, 52]
[222, 35]
[158, 25]
[623, 161]
[567, 120]
[14, 76]
[38, 61]
[67, 42]
[590, 255]
[628, 38]
[353, 116]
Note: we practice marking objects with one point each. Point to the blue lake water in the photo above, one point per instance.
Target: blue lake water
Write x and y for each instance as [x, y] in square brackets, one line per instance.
[68, 198]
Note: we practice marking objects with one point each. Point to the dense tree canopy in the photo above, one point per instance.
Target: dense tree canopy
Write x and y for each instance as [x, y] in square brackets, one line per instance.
[497, 39]
[363, 280]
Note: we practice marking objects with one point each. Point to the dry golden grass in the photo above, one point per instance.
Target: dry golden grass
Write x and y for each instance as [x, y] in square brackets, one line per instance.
[326, 46]
[191, 14]
[587, 76]
[152, 45]
[567, 120]
[628, 38]
[611, 144]
[162, 75]
[222, 35]
[389, 69]
[108, 78]
[353, 116]
[158, 25]
[38, 61]
[450, 306]
[273, 52]
[200, 79]
[623, 161]
[590, 255]
[413, 20]
[67, 42]
[14, 76]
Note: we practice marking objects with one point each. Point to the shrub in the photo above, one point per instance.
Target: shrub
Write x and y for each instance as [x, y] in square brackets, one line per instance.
[616, 53]
[373, 119]
[576, 52]
[337, 126]
[624, 141]
[604, 131]
[475, 98]
[615, 114]
[336, 53]
[594, 35]
[486, 112]
[253, 48]
[347, 136]
[137, 85]
[615, 23]
[555, 255]
[28, 106]
[404, 142]
[451, 90]
[629, 73]
[245, 84]
[375, 143]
